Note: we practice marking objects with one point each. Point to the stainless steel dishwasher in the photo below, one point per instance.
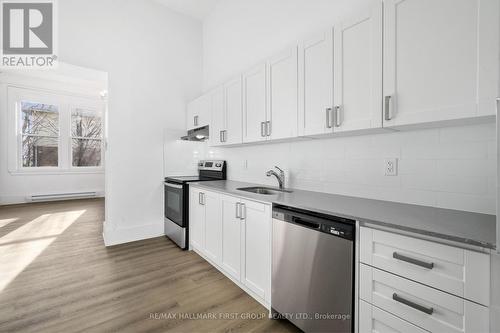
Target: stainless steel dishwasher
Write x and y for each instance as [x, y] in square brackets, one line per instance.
[313, 270]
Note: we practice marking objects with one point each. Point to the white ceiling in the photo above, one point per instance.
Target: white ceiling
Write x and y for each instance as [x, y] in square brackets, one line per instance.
[195, 8]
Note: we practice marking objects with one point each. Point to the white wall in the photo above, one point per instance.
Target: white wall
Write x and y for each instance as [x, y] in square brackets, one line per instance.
[450, 167]
[15, 186]
[240, 33]
[153, 58]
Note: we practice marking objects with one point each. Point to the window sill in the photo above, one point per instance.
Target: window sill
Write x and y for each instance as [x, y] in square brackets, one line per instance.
[56, 172]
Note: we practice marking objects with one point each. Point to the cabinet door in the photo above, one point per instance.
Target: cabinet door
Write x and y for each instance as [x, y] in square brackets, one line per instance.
[234, 111]
[373, 319]
[196, 219]
[254, 104]
[440, 59]
[218, 123]
[282, 101]
[213, 226]
[231, 236]
[358, 71]
[204, 110]
[257, 249]
[192, 111]
[316, 84]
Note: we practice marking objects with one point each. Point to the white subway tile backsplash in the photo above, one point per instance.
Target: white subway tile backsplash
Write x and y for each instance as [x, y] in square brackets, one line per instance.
[477, 133]
[461, 184]
[452, 167]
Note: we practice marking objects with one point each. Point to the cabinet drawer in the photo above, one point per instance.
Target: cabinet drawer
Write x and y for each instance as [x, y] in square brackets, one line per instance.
[373, 319]
[431, 309]
[458, 271]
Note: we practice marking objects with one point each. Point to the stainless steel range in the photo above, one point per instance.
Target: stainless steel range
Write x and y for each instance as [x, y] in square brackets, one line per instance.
[177, 199]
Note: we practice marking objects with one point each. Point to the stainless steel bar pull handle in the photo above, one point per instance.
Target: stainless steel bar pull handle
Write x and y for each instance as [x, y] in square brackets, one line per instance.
[411, 304]
[328, 121]
[200, 201]
[387, 108]
[263, 129]
[237, 210]
[224, 135]
[221, 136]
[268, 128]
[243, 211]
[424, 264]
[337, 115]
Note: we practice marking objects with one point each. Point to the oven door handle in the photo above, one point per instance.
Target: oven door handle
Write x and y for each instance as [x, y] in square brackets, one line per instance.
[172, 185]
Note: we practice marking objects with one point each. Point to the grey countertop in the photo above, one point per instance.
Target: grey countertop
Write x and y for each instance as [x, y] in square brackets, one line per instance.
[455, 225]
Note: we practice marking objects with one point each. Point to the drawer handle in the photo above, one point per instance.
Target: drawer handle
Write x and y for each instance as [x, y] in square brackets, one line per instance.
[428, 265]
[411, 304]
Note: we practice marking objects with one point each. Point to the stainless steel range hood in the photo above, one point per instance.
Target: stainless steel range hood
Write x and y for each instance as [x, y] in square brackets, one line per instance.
[197, 134]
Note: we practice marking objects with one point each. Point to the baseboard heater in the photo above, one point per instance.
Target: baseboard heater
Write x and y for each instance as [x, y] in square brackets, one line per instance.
[61, 196]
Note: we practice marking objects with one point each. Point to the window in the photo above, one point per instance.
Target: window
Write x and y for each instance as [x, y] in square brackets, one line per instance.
[54, 133]
[86, 137]
[40, 134]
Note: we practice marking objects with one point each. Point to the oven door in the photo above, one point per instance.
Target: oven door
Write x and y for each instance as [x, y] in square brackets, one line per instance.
[174, 203]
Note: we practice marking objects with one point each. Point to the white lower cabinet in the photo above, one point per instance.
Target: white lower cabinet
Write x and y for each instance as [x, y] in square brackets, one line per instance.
[231, 236]
[213, 226]
[407, 284]
[373, 319]
[256, 219]
[196, 219]
[234, 235]
[429, 308]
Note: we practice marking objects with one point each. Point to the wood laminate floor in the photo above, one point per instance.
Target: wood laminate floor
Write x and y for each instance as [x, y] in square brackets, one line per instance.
[57, 276]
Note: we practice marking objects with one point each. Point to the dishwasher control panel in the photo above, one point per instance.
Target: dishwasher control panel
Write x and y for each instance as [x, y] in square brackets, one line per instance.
[333, 225]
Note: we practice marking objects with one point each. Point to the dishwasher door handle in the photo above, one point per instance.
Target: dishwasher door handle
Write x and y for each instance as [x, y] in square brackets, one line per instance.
[305, 223]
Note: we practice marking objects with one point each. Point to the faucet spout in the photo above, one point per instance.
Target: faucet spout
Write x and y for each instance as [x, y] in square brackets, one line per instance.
[279, 176]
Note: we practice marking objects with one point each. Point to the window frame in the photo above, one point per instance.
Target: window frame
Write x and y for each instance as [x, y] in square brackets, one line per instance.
[65, 103]
[93, 110]
[32, 97]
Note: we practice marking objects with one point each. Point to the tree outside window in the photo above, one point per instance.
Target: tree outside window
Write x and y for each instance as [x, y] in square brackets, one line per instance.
[86, 132]
[40, 134]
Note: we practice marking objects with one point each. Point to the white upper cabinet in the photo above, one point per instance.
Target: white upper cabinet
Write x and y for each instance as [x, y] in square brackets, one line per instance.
[440, 60]
[358, 71]
[218, 124]
[255, 104]
[234, 111]
[199, 112]
[226, 126]
[282, 101]
[316, 84]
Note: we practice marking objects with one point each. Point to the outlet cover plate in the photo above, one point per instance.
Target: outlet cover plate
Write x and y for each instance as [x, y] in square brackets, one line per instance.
[391, 166]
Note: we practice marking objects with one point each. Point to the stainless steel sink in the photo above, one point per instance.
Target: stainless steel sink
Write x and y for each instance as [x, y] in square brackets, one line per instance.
[263, 190]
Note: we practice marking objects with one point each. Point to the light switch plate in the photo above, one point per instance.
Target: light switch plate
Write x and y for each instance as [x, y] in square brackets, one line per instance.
[391, 166]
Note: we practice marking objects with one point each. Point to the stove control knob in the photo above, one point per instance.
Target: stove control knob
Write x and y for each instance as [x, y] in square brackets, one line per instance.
[218, 165]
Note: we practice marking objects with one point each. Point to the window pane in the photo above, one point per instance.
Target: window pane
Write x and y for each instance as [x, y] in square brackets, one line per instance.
[85, 124]
[39, 151]
[40, 119]
[86, 152]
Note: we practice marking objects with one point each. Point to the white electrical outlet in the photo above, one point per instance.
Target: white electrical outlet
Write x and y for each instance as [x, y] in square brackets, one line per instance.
[391, 166]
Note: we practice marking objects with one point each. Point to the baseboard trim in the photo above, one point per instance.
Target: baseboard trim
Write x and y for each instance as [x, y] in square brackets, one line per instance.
[126, 235]
[18, 199]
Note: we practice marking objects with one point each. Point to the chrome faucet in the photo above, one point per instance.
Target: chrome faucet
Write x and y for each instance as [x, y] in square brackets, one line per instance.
[280, 176]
